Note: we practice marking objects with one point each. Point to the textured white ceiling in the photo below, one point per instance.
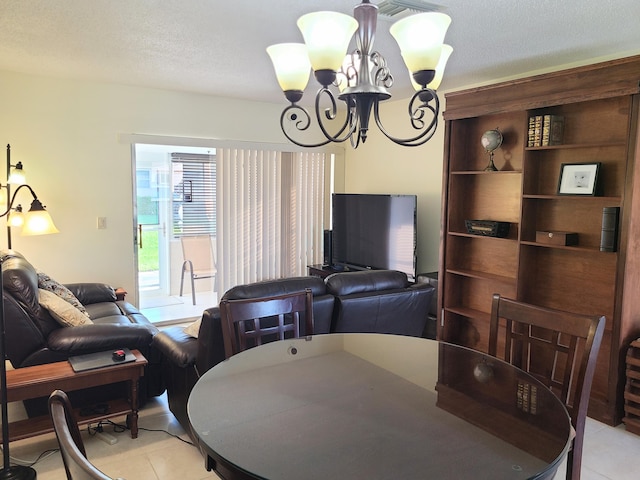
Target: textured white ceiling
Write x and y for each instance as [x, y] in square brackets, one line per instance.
[218, 47]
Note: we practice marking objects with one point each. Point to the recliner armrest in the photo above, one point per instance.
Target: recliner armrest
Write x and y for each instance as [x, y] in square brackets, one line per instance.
[177, 346]
[88, 293]
[100, 337]
[210, 341]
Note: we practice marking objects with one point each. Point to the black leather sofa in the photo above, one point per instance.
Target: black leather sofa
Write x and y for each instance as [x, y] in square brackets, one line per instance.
[379, 301]
[34, 337]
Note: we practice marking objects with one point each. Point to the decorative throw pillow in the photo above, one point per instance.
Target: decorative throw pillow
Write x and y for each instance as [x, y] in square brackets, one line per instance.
[66, 314]
[45, 282]
[193, 329]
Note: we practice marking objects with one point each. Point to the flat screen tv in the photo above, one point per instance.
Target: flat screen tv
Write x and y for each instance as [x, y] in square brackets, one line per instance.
[374, 232]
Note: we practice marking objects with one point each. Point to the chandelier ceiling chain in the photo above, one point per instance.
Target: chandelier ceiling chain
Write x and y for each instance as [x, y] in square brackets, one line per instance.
[361, 77]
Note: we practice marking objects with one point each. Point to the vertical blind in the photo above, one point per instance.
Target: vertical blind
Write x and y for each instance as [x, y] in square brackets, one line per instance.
[193, 180]
[269, 214]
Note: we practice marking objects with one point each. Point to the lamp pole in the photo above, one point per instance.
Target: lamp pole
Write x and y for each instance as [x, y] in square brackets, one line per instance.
[8, 187]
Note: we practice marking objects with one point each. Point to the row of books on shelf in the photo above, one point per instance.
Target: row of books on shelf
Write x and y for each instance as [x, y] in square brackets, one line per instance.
[545, 130]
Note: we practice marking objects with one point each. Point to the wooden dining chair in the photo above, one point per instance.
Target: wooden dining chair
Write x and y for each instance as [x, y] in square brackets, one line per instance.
[559, 349]
[251, 322]
[72, 449]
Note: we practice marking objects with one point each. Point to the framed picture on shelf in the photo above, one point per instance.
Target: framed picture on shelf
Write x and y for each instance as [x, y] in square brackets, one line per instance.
[578, 178]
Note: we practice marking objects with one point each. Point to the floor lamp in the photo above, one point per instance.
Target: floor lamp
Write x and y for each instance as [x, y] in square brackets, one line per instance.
[36, 222]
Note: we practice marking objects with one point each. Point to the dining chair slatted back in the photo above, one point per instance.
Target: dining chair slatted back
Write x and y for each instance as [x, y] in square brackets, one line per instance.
[559, 349]
[199, 261]
[72, 448]
[250, 322]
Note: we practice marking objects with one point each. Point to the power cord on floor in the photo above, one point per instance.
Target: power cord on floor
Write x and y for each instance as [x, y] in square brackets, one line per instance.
[119, 428]
[99, 432]
[92, 430]
[29, 463]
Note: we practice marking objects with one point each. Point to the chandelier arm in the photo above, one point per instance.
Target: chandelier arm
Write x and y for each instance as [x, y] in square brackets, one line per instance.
[301, 125]
[382, 75]
[355, 142]
[416, 115]
[331, 114]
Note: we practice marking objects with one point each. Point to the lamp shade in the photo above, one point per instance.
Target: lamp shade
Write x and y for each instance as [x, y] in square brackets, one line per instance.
[17, 175]
[37, 221]
[327, 36]
[447, 50]
[291, 64]
[420, 38]
[16, 218]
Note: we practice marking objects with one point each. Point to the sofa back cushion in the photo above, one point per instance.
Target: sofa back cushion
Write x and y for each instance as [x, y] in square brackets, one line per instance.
[270, 288]
[349, 283]
[379, 301]
[400, 312]
[20, 280]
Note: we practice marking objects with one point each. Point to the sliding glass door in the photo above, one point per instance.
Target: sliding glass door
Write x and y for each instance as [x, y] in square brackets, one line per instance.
[261, 210]
[175, 197]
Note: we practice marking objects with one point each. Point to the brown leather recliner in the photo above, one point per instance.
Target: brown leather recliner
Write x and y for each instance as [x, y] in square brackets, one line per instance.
[34, 337]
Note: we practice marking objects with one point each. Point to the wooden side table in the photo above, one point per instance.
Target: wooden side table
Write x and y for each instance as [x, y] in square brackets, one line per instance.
[41, 380]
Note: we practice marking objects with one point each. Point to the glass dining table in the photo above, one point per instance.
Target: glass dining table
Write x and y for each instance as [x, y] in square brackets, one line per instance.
[375, 406]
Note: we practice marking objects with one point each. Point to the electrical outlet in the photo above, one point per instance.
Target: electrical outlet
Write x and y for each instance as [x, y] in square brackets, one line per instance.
[102, 223]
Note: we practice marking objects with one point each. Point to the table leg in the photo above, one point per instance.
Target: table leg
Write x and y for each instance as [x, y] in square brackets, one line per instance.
[132, 418]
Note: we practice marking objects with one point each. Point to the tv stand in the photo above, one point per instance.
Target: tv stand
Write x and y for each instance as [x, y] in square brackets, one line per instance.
[323, 271]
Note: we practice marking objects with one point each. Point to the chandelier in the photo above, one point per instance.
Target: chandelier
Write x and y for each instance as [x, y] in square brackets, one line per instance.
[362, 77]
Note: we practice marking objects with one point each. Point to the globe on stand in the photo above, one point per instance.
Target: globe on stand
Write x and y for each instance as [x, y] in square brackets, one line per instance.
[491, 140]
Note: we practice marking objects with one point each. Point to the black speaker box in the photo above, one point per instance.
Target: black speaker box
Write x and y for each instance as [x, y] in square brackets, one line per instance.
[327, 248]
[609, 235]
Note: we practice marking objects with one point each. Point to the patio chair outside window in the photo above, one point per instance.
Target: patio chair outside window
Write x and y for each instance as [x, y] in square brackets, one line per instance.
[199, 261]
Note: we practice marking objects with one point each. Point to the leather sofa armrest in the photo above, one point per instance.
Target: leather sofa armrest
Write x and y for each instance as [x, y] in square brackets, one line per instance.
[210, 341]
[88, 293]
[100, 337]
[177, 346]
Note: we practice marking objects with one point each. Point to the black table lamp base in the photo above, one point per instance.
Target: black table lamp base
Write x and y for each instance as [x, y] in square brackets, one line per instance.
[18, 472]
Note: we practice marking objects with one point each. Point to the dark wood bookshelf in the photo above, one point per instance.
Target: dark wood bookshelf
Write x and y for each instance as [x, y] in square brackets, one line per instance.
[600, 105]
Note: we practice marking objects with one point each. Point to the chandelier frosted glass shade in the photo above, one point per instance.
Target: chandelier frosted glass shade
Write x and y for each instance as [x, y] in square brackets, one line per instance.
[327, 36]
[420, 38]
[291, 64]
[446, 52]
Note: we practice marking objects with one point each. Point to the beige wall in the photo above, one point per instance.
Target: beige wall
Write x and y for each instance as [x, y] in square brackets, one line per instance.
[69, 135]
[380, 166]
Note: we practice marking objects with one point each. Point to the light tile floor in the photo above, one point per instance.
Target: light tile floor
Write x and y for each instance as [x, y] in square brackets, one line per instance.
[169, 310]
[610, 453]
[154, 455]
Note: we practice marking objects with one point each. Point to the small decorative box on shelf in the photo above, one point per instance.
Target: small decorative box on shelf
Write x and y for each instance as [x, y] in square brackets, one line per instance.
[556, 238]
[487, 228]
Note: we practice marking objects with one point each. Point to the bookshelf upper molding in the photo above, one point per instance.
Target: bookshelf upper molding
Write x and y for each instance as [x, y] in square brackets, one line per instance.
[601, 80]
